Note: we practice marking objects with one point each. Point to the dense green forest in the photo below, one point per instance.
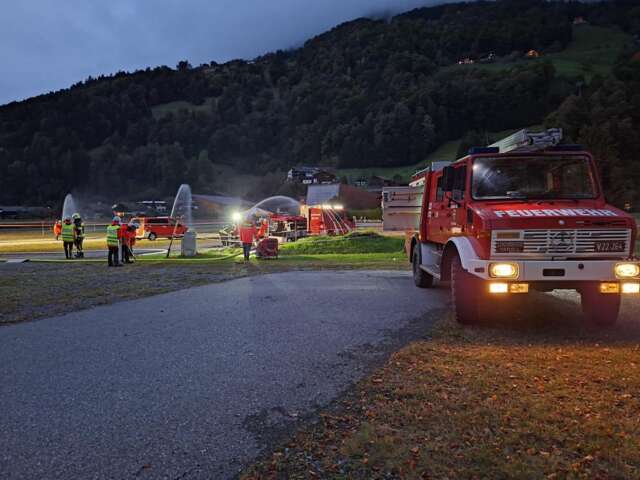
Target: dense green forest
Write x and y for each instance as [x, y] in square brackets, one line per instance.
[367, 93]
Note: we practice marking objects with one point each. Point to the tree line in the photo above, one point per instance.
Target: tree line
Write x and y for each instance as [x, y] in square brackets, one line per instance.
[367, 93]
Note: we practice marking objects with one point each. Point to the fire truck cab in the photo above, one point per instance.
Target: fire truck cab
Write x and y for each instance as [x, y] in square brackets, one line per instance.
[524, 214]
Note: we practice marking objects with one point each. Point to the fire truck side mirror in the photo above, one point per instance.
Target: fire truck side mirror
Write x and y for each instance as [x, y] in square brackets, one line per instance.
[448, 178]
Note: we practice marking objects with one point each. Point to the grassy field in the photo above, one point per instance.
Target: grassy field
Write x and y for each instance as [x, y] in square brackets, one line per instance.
[593, 50]
[353, 243]
[531, 394]
[38, 289]
[10, 244]
[164, 109]
[445, 152]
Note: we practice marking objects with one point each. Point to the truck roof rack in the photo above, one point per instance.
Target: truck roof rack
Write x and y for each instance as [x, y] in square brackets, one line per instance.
[527, 141]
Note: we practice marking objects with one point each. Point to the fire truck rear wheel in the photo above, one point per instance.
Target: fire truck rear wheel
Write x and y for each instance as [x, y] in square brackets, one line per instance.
[466, 293]
[421, 278]
[600, 309]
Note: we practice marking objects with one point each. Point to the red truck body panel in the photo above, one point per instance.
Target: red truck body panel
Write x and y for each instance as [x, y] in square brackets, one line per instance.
[442, 219]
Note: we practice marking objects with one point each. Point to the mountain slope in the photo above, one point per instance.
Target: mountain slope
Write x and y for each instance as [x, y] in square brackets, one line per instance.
[365, 94]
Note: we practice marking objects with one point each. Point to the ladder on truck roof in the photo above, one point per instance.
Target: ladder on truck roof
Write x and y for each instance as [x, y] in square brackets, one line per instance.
[527, 141]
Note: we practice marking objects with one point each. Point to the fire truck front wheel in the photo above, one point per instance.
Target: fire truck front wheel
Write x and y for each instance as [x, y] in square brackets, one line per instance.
[421, 278]
[600, 309]
[466, 293]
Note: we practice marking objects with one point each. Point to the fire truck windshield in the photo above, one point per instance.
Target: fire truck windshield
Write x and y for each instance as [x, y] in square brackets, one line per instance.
[532, 177]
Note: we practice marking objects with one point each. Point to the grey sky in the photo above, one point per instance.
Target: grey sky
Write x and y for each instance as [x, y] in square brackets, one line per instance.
[46, 45]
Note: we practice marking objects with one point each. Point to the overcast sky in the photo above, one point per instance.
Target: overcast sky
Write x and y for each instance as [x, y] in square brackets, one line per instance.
[46, 45]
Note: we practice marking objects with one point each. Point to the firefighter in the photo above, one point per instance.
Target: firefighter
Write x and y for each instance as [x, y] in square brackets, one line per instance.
[68, 237]
[57, 229]
[247, 233]
[124, 243]
[264, 228]
[128, 240]
[133, 231]
[78, 226]
[113, 241]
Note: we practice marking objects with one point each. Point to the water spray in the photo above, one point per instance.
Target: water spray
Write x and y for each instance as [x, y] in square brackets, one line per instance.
[182, 210]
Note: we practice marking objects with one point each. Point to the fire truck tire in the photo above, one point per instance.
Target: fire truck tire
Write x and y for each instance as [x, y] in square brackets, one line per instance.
[466, 292]
[600, 309]
[421, 278]
[152, 236]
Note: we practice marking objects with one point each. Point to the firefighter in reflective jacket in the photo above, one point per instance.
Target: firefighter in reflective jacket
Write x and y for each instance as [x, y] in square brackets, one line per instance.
[113, 242]
[68, 237]
[78, 226]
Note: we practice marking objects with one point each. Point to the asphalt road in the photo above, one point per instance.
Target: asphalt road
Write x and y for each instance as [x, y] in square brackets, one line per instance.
[193, 384]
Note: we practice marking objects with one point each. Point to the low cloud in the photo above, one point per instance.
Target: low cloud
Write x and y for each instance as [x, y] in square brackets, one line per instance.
[46, 45]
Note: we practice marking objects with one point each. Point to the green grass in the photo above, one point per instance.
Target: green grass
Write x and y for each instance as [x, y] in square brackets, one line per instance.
[445, 152]
[353, 243]
[164, 109]
[592, 51]
[204, 255]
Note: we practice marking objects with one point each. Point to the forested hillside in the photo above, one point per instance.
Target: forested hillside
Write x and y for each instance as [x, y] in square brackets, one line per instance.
[367, 93]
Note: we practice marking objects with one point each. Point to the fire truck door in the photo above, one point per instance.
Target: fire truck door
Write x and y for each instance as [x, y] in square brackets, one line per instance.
[439, 213]
[457, 202]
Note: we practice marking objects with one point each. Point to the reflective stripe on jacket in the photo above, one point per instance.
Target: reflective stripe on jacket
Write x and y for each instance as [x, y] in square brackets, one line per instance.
[112, 235]
[67, 232]
[79, 230]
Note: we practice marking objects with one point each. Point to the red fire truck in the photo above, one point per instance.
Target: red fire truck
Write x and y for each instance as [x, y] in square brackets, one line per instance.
[525, 213]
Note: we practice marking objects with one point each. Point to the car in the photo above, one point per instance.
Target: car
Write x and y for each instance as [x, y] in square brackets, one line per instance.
[160, 227]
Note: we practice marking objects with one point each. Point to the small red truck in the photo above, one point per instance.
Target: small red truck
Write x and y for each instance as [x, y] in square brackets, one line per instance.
[525, 213]
[159, 227]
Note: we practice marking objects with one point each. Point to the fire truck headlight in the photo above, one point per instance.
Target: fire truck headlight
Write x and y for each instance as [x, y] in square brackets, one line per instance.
[503, 270]
[627, 270]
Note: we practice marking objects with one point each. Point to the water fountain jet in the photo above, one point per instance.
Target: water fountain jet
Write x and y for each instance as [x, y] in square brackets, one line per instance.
[182, 212]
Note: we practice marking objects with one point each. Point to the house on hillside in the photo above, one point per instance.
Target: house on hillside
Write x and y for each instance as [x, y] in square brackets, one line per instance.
[311, 175]
[532, 54]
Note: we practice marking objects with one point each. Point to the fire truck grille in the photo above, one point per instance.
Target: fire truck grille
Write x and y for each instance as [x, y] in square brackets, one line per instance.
[560, 242]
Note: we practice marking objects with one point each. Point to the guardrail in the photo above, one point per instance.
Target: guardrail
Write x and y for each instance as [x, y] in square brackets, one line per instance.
[46, 226]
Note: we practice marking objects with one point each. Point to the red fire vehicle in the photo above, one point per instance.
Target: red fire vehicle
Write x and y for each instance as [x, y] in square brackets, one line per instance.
[524, 214]
[326, 219]
[159, 227]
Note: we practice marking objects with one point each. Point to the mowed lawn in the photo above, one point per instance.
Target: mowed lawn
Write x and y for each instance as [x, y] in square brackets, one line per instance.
[531, 393]
[593, 51]
[33, 290]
